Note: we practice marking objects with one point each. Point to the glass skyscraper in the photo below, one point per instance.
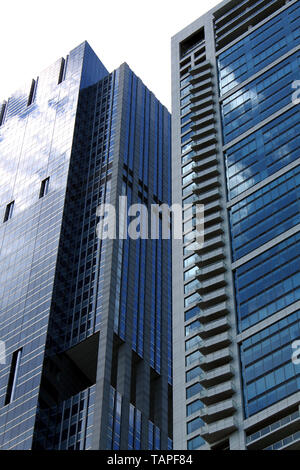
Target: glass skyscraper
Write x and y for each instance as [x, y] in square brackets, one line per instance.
[236, 299]
[86, 322]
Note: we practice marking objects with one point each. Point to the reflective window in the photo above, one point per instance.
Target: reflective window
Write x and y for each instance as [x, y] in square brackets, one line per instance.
[192, 358]
[193, 374]
[269, 374]
[190, 273]
[260, 98]
[268, 283]
[193, 390]
[187, 179]
[265, 214]
[259, 49]
[186, 147]
[185, 110]
[186, 118]
[187, 158]
[194, 407]
[189, 261]
[263, 153]
[188, 288]
[194, 312]
[186, 137]
[194, 425]
[192, 343]
[187, 168]
[192, 327]
[192, 299]
[194, 444]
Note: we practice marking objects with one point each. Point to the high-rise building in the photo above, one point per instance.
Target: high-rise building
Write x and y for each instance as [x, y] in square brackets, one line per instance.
[85, 320]
[236, 298]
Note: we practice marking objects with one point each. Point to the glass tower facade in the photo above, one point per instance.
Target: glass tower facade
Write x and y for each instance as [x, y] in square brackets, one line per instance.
[236, 150]
[86, 322]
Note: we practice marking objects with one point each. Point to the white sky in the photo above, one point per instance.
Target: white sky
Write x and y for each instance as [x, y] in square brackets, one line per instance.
[35, 33]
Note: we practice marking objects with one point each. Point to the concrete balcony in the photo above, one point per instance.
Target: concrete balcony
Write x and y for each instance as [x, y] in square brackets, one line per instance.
[213, 313]
[288, 443]
[208, 111]
[216, 394]
[212, 298]
[203, 143]
[212, 206]
[212, 284]
[204, 131]
[206, 259]
[205, 173]
[217, 327]
[202, 123]
[202, 82]
[219, 430]
[215, 343]
[200, 68]
[201, 165]
[207, 185]
[212, 244]
[202, 93]
[199, 105]
[211, 270]
[216, 359]
[213, 231]
[213, 218]
[225, 409]
[217, 376]
[204, 152]
[208, 196]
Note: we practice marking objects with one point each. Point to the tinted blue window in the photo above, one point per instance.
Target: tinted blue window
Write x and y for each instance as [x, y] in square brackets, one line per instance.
[194, 425]
[193, 374]
[265, 214]
[194, 407]
[260, 98]
[269, 374]
[192, 313]
[268, 283]
[263, 153]
[195, 443]
[193, 390]
[259, 49]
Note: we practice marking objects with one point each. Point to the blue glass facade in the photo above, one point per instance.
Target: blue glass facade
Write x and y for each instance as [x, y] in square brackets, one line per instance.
[261, 136]
[278, 143]
[259, 49]
[35, 143]
[268, 372]
[267, 213]
[268, 283]
[260, 99]
[68, 426]
[76, 138]
[236, 152]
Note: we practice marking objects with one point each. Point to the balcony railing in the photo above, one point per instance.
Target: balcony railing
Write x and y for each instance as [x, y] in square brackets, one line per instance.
[273, 427]
[286, 442]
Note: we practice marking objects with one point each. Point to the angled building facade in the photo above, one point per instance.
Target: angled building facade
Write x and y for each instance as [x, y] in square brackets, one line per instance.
[236, 149]
[86, 323]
